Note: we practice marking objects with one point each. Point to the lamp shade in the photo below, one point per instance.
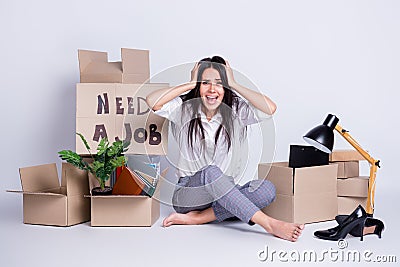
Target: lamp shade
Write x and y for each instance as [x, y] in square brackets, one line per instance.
[322, 137]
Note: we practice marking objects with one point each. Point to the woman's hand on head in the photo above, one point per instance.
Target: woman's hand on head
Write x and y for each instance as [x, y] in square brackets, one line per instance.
[194, 73]
[229, 74]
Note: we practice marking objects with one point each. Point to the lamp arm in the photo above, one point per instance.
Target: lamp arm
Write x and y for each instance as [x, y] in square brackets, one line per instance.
[373, 168]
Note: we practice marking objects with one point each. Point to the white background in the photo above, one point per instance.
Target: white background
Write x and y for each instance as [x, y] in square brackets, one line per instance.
[311, 57]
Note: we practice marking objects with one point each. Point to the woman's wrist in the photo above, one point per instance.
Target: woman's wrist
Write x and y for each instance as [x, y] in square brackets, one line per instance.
[188, 86]
[235, 86]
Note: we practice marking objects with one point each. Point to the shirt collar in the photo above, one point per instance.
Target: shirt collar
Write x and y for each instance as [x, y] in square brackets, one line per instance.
[217, 117]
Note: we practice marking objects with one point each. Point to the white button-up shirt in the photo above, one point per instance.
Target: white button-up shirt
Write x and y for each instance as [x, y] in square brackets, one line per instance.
[205, 152]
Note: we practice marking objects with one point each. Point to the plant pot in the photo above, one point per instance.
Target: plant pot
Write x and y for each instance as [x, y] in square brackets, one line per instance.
[97, 191]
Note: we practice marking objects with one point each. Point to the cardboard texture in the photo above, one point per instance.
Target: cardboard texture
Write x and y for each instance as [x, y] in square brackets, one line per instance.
[345, 155]
[124, 210]
[120, 111]
[346, 205]
[304, 195]
[353, 187]
[348, 169]
[95, 68]
[46, 202]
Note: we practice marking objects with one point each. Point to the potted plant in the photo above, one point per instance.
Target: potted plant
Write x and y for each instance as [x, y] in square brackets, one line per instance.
[104, 162]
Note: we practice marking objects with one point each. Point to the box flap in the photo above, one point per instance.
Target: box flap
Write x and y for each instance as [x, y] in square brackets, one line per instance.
[316, 179]
[86, 57]
[279, 174]
[135, 61]
[36, 193]
[103, 68]
[74, 179]
[39, 178]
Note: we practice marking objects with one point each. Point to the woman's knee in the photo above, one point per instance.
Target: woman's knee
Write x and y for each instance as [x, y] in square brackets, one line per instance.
[266, 193]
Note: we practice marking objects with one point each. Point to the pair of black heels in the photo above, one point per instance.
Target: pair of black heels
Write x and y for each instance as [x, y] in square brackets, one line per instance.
[358, 224]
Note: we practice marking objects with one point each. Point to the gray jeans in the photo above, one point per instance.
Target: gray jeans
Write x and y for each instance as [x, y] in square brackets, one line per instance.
[209, 187]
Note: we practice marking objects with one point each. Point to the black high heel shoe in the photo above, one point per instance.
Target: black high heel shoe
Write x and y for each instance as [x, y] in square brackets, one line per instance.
[371, 226]
[356, 220]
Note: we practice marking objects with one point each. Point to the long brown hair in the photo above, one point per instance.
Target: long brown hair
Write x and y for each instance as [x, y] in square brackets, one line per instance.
[229, 101]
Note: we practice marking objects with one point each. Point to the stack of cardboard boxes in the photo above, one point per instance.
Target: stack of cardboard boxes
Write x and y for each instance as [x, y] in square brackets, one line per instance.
[111, 104]
[318, 193]
[352, 189]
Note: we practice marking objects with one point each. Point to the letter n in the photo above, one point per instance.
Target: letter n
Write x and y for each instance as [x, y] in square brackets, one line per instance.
[103, 104]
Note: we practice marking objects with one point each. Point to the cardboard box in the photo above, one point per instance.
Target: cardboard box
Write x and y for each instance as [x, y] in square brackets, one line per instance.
[124, 210]
[348, 169]
[95, 68]
[353, 187]
[346, 205]
[120, 111]
[304, 195]
[46, 202]
[345, 155]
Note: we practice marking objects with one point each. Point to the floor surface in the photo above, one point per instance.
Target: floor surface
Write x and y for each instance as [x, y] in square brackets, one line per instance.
[224, 244]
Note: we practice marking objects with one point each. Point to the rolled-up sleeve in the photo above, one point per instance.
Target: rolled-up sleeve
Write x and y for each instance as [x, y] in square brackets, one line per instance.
[248, 114]
[171, 109]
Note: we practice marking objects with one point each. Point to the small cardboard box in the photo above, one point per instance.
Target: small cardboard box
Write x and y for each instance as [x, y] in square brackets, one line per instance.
[347, 205]
[348, 169]
[353, 187]
[345, 155]
[95, 68]
[124, 210]
[46, 202]
[304, 195]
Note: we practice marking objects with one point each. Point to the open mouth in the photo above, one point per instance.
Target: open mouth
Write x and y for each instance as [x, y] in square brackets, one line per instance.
[211, 99]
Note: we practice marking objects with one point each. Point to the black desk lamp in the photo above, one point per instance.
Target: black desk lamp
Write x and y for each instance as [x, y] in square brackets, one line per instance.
[322, 138]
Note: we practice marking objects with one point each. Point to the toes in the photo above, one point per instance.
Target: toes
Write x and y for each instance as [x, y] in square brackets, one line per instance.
[168, 224]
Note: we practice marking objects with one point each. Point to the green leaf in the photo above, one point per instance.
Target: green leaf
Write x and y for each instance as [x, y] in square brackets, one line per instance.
[115, 149]
[84, 141]
[73, 158]
[105, 161]
[102, 147]
[118, 162]
[125, 145]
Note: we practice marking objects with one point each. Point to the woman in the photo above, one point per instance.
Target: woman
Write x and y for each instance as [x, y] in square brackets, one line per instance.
[207, 119]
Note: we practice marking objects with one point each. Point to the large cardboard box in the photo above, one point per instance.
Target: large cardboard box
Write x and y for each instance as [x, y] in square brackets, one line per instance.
[125, 210]
[304, 195]
[46, 202]
[346, 205]
[353, 187]
[119, 111]
[345, 155]
[95, 68]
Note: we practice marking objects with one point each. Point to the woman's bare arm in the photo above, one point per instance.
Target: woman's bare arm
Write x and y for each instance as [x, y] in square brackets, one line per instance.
[257, 99]
[158, 98]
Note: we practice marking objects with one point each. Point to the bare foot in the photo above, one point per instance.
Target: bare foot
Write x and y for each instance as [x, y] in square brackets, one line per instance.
[285, 230]
[181, 218]
[281, 229]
